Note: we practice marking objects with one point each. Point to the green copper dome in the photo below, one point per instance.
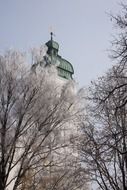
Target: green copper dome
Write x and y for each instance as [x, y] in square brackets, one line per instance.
[64, 68]
[52, 44]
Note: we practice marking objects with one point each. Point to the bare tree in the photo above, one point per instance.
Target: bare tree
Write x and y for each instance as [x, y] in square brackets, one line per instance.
[104, 147]
[34, 111]
[119, 51]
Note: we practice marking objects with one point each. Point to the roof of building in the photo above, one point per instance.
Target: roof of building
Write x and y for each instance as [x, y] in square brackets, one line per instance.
[64, 67]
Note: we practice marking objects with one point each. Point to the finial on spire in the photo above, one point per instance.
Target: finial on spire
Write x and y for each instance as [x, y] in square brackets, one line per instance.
[51, 33]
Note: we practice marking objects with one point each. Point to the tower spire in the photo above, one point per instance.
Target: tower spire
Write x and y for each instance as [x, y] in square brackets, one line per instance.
[65, 69]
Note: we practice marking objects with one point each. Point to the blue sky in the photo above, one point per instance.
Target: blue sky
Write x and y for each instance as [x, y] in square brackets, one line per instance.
[82, 28]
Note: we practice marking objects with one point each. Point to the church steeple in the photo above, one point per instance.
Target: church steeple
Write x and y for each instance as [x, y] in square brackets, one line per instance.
[53, 46]
[64, 67]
